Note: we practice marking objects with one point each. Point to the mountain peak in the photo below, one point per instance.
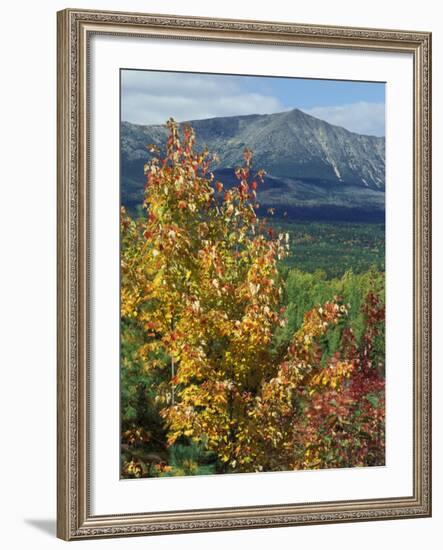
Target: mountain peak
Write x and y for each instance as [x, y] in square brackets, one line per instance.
[291, 146]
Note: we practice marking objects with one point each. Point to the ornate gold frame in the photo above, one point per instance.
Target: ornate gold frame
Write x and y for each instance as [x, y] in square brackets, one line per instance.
[75, 28]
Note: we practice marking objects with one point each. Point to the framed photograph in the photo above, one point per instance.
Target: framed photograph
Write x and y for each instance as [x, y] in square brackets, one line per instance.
[243, 274]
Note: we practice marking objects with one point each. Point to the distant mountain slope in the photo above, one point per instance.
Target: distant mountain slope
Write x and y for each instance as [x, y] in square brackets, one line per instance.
[310, 164]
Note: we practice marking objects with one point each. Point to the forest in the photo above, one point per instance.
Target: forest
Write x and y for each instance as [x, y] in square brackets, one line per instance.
[248, 343]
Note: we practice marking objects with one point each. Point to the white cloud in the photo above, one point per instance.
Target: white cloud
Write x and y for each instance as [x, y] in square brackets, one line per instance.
[153, 97]
[362, 117]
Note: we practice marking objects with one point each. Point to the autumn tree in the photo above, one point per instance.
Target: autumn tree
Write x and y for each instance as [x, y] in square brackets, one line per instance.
[202, 278]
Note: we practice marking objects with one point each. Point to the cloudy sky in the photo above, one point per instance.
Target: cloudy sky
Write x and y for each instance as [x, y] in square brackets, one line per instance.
[151, 97]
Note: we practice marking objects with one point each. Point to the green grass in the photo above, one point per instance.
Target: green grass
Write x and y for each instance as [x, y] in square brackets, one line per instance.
[334, 248]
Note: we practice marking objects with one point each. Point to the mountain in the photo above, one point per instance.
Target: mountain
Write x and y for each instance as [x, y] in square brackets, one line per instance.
[314, 169]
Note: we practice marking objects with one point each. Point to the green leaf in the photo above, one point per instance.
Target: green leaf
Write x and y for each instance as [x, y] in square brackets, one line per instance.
[373, 399]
